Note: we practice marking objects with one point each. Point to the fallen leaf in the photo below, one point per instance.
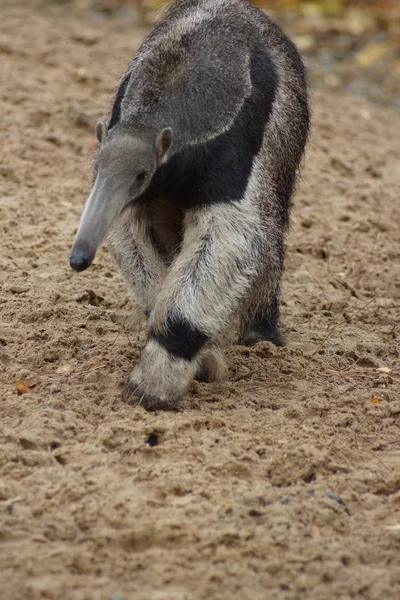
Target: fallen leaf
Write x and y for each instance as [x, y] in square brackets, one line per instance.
[375, 401]
[385, 370]
[372, 54]
[22, 388]
[358, 21]
[394, 527]
[311, 10]
[304, 42]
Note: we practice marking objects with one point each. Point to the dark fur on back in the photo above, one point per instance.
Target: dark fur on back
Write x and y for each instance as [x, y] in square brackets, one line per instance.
[116, 111]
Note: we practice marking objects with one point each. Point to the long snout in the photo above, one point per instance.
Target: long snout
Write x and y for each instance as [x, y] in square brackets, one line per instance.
[104, 204]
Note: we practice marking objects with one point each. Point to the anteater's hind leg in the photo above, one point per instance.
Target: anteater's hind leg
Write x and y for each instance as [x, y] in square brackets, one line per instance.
[259, 317]
[261, 322]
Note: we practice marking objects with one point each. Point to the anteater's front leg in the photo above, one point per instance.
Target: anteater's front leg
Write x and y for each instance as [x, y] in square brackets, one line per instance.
[196, 301]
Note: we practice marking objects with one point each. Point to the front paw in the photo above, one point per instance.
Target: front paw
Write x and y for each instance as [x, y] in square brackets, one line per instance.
[137, 395]
[159, 380]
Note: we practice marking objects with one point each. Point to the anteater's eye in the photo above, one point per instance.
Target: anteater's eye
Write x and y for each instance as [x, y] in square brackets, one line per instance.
[141, 176]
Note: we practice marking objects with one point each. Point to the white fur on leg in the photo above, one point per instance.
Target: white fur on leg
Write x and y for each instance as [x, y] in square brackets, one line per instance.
[215, 267]
[159, 379]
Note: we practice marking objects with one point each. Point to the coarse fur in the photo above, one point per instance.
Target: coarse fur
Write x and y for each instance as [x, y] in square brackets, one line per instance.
[205, 241]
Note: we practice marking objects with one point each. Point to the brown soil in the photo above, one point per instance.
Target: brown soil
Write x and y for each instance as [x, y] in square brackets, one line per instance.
[283, 482]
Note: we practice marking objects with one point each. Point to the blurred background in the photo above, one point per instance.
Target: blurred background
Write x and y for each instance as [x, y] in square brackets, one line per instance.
[350, 46]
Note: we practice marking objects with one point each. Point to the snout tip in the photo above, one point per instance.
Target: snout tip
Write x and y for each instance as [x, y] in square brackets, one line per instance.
[80, 259]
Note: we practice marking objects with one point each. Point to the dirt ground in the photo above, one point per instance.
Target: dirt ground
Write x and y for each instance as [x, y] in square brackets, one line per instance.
[282, 482]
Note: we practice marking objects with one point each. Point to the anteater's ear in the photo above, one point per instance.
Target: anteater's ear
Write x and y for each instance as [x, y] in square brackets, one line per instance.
[163, 145]
[101, 132]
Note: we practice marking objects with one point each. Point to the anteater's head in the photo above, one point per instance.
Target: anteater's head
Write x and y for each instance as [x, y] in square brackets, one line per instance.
[125, 166]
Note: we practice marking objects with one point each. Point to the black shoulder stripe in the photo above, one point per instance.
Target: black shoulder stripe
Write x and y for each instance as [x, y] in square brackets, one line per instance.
[116, 111]
[219, 170]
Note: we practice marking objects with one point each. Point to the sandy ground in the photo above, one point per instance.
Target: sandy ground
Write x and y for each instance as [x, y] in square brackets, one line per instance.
[283, 482]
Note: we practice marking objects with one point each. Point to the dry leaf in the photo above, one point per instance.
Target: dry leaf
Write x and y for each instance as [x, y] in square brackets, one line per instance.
[393, 527]
[358, 21]
[375, 401]
[372, 54]
[22, 388]
[385, 370]
[305, 42]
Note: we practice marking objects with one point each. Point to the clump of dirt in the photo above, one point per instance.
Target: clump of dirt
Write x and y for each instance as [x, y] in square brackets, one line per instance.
[284, 478]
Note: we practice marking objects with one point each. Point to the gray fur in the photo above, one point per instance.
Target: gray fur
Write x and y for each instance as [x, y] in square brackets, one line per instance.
[190, 263]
